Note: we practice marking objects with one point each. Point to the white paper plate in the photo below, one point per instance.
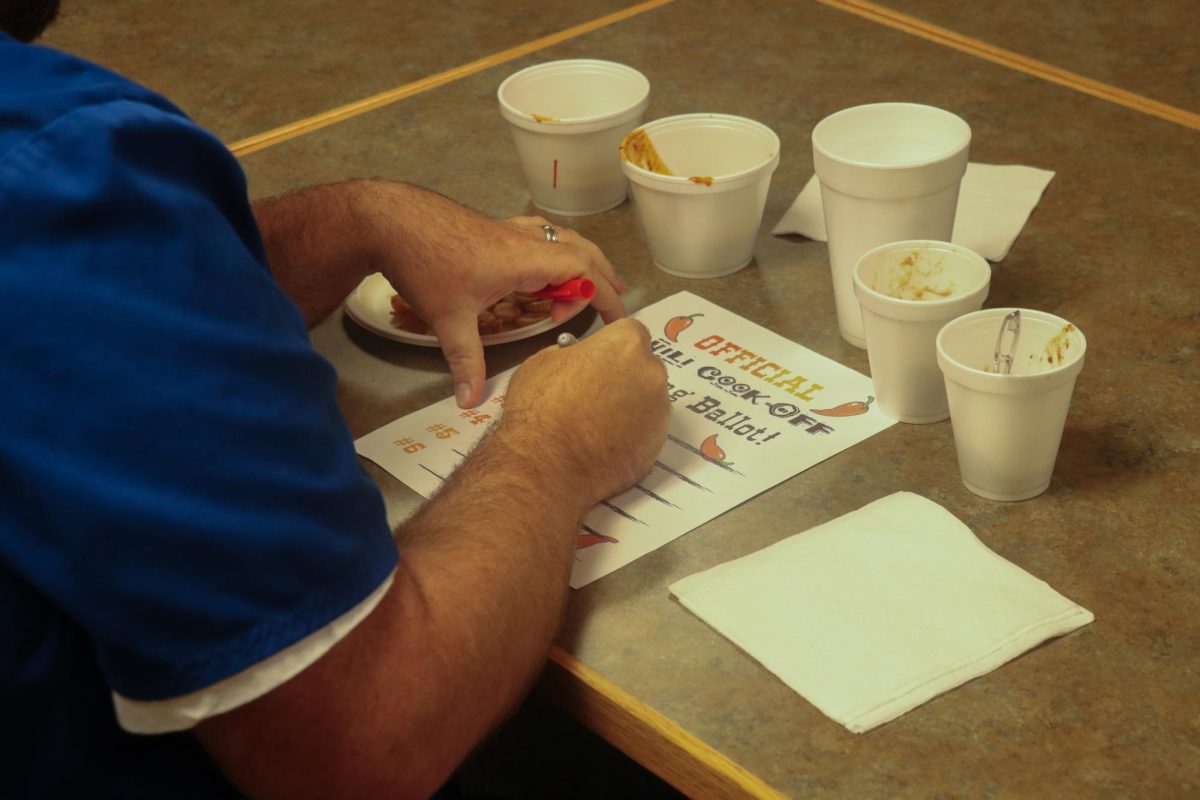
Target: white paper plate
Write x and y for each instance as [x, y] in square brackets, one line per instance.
[370, 305]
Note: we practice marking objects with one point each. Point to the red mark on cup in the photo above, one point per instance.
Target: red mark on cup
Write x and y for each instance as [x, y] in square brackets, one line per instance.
[555, 186]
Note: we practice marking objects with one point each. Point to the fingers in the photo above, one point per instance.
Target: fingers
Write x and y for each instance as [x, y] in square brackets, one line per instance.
[562, 310]
[458, 336]
[633, 331]
[573, 255]
[598, 259]
[608, 283]
[607, 303]
[529, 221]
[628, 342]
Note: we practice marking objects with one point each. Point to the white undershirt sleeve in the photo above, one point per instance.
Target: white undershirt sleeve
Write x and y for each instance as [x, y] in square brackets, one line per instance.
[184, 712]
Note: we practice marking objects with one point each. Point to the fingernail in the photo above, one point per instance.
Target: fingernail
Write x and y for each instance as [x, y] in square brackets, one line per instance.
[462, 394]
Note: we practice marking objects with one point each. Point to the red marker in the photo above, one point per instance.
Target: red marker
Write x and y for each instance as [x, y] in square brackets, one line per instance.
[576, 289]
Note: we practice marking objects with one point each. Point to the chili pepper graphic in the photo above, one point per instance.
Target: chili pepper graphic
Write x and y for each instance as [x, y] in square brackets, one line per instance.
[677, 325]
[710, 450]
[588, 539]
[851, 409]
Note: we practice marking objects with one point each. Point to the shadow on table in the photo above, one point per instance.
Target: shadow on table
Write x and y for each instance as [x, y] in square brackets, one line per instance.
[542, 753]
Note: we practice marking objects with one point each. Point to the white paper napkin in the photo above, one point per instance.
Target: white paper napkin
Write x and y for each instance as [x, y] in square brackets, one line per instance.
[994, 203]
[878, 611]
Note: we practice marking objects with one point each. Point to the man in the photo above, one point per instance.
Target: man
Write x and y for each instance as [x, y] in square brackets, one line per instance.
[199, 595]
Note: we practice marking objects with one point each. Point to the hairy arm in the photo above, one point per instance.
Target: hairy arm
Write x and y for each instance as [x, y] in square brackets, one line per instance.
[315, 245]
[465, 627]
[391, 710]
[447, 260]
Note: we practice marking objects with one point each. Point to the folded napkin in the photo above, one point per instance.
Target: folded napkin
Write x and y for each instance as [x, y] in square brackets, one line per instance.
[994, 203]
[878, 611]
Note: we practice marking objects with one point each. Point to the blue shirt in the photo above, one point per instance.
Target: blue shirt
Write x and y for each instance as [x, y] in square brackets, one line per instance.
[181, 498]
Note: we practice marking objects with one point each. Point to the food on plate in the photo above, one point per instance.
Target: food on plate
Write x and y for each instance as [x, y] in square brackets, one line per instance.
[515, 310]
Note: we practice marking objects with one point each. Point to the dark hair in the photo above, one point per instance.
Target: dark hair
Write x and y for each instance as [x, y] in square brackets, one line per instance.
[24, 20]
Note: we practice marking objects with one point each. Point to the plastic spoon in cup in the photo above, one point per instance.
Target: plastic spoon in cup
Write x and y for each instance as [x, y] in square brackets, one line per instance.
[1002, 359]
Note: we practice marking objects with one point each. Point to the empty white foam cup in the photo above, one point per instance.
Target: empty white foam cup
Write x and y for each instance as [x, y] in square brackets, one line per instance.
[888, 172]
[702, 221]
[908, 291]
[1007, 428]
[567, 120]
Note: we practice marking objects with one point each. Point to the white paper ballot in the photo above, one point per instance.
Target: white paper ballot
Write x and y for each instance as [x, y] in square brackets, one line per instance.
[748, 409]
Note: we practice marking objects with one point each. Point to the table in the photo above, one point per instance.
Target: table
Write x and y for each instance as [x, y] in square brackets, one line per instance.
[1112, 710]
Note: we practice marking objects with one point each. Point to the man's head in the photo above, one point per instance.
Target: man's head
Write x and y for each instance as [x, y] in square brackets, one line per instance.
[24, 20]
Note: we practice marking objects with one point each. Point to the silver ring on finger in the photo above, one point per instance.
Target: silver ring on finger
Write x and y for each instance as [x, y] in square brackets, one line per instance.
[551, 232]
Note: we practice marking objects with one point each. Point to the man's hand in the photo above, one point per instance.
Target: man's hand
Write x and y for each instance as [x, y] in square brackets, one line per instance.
[450, 262]
[596, 412]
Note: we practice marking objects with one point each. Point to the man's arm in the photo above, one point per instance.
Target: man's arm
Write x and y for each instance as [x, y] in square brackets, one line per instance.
[447, 260]
[393, 708]
[315, 245]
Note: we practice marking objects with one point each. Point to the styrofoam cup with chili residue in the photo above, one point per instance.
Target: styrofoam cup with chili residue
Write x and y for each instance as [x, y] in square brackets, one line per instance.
[1008, 427]
[907, 291]
[567, 119]
[699, 185]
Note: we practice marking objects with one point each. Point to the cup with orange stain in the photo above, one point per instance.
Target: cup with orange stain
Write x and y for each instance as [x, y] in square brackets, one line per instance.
[700, 184]
[567, 119]
[907, 291]
[1008, 424]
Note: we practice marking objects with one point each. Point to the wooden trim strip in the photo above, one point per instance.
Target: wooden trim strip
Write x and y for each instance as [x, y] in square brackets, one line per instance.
[1008, 58]
[341, 113]
[644, 734]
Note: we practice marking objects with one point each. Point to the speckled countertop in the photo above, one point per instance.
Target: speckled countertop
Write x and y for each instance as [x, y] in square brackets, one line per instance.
[1112, 710]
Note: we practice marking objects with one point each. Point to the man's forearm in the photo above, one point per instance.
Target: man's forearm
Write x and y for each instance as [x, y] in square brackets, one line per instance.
[478, 593]
[450, 649]
[318, 245]
[492, 554]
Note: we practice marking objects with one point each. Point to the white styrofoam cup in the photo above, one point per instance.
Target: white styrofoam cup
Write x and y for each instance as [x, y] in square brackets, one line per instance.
[1007, 428]
[567, 120]
[702, 221]
[888, 172]
[908, 290]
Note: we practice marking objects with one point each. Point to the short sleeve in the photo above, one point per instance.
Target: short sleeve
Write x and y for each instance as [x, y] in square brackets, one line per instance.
[178, 477]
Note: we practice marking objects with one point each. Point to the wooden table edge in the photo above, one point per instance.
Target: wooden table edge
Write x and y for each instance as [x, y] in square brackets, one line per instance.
[645, 735]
